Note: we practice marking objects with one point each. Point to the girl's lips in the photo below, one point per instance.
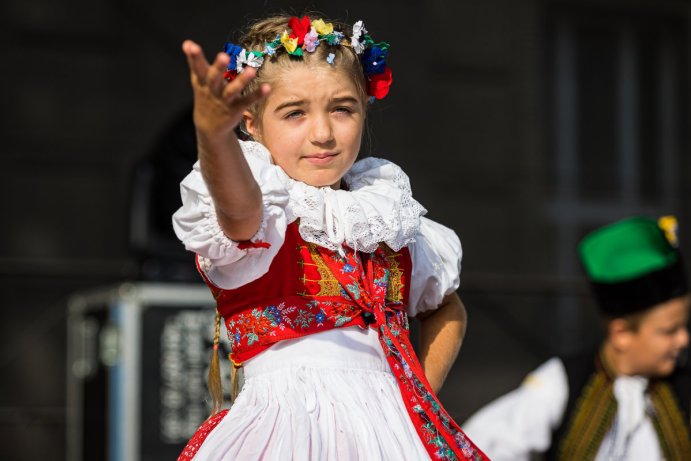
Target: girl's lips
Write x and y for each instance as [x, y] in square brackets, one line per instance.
[321, 158]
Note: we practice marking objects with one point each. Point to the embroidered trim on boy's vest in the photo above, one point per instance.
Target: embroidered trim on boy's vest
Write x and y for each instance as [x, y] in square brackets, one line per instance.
[371, 291]
[591, 419]
[594, 414]
[673, 433]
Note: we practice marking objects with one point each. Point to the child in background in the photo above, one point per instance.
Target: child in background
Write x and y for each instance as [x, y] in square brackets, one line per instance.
[316, 260]
[630, 398]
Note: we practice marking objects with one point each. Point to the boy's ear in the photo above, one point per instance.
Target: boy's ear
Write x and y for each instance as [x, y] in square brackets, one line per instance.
[620, 333]
[251, 125]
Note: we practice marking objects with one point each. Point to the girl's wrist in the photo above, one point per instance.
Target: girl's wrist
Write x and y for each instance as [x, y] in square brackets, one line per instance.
[212, 142]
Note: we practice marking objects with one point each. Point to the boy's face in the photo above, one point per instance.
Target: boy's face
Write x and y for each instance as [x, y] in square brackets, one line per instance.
[653, 348]
[312, 124]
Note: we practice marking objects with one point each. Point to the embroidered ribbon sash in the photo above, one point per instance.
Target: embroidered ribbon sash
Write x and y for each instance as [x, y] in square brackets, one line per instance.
[442, 437]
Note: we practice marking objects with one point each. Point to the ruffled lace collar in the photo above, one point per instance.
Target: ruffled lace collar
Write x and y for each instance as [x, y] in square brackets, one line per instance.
[377, 207]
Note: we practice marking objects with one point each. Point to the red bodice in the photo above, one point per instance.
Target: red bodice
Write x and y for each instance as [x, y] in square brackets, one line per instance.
[299, 295]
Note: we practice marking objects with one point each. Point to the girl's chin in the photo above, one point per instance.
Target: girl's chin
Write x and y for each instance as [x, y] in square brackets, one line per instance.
[321, 181]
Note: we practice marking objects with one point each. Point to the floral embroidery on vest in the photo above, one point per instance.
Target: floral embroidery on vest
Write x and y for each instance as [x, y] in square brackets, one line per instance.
[247, 328]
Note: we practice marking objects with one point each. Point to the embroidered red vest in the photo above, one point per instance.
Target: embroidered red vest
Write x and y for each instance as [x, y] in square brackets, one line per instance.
[309, 288]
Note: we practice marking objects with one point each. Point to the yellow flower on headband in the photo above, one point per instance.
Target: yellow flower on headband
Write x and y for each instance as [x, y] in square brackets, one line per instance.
[321, 27]
[290, 44]
[670, 227]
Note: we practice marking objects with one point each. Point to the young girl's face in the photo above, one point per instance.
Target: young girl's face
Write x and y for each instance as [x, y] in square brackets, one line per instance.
[312, 123]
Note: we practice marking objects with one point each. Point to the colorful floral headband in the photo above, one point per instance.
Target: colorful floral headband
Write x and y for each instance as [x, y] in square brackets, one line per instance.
[305, 37]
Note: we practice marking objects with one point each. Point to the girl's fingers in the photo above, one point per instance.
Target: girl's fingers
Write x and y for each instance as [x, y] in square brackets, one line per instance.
[253, 97]
[234, 88]
[196, 61]
[214, 77]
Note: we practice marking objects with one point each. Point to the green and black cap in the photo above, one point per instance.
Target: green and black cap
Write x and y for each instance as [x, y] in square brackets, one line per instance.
[634, 264]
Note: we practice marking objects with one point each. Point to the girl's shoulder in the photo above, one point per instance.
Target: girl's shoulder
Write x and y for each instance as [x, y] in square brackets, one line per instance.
[374, 170]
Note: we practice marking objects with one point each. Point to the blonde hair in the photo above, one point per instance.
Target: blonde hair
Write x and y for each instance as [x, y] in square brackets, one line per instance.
[214, 380]
[265, 30]
[214, 377]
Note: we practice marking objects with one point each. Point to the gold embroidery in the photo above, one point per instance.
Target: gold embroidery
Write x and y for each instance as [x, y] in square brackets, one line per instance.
[328, 285]
[590, 421]
[672, 432]
[394, 290]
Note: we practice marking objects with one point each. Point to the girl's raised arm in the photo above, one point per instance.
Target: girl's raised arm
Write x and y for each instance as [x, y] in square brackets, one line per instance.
[218, 108]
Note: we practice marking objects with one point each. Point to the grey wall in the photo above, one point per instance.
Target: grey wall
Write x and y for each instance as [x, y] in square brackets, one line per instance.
[499, 113]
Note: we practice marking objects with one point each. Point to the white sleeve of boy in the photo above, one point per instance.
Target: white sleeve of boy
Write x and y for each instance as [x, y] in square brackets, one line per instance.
[227, 263]
[520, 423]
[436, 257]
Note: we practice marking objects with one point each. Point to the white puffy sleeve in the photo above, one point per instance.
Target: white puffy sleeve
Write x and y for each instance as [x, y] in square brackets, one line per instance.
[436, 257]
[227, 263]
[520, 424]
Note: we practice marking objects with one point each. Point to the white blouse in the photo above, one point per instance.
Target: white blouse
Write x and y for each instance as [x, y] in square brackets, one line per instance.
[377, 207]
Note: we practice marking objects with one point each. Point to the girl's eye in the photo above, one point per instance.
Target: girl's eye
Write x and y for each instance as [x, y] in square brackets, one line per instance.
[343, 109]
[293, 114]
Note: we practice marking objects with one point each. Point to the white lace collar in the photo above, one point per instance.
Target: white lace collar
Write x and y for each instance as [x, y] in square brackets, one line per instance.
[377, 207]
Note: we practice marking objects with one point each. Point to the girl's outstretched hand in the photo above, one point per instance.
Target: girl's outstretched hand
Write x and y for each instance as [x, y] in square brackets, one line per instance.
[218, 105]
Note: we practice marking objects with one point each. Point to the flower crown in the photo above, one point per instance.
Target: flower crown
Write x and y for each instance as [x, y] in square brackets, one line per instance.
[306, 36]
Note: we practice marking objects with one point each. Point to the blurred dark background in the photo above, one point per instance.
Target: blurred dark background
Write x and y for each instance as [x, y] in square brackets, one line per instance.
[522, 125]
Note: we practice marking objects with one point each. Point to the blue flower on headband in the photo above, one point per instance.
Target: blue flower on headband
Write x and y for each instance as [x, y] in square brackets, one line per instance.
[233, 51]
[374, 59]
[334, 38]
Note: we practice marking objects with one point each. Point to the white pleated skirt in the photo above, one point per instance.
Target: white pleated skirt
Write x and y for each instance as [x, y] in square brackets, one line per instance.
[328, 396]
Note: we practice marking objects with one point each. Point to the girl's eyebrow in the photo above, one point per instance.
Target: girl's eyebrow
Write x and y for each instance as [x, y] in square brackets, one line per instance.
[298, 103]
[302, 102]
[344, 99]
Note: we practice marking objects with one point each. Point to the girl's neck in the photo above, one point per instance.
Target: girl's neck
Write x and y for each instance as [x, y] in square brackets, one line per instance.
[340, 185]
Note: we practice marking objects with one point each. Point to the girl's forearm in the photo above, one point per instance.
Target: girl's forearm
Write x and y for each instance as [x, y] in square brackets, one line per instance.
[237, 197]
[442, 333]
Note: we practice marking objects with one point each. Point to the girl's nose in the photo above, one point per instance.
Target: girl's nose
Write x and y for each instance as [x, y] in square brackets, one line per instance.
[322, 131]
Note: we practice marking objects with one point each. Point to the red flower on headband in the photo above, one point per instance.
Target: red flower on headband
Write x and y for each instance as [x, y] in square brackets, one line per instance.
[378, 85]
[230, 75]
[300, 27]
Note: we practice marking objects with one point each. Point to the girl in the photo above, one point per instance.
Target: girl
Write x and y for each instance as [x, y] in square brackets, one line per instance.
[316, 260]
